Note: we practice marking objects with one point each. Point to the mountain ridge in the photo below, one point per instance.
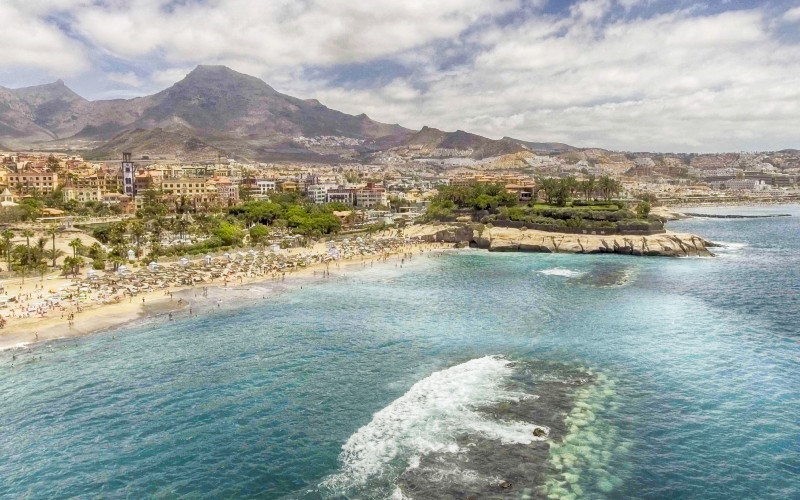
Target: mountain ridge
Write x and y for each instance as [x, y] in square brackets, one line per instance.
[216, 107]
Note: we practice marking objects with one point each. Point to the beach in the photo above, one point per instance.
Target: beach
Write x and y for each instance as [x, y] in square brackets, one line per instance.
[100, 301]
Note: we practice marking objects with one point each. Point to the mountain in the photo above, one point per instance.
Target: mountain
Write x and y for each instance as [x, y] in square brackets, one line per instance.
[212, 110]
[435, 142]
[156, 143]
[543, 147]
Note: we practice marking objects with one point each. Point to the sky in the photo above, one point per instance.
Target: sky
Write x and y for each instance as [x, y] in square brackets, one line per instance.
[637, 75]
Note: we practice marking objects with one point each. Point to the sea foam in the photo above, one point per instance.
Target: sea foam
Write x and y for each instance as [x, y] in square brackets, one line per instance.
[560, 271]
[428, 418]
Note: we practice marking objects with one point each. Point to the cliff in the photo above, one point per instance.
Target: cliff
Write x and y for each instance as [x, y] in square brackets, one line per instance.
[497, 239]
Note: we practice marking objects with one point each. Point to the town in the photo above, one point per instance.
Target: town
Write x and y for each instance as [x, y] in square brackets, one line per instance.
[142, 207]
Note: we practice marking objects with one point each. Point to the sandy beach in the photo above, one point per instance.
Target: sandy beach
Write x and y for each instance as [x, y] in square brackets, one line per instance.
[96, 312]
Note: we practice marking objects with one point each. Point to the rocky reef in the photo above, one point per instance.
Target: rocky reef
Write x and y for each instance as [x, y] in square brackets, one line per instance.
[502, 239]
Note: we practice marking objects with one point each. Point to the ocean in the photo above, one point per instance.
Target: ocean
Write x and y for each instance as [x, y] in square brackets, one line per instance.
[466, 374]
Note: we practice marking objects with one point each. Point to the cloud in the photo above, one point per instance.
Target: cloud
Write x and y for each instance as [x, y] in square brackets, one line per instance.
[670, 82]
[278, 33]
[130, 78]
[30, 42]
[792, 15]
[627, 74]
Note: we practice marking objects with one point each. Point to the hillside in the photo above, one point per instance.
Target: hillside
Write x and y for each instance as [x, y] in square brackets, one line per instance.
[543, 147]
[156, 143]
[433, 142]
[215, 108]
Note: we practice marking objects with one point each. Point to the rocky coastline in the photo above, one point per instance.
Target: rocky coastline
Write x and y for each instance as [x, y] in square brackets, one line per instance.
[504, 239]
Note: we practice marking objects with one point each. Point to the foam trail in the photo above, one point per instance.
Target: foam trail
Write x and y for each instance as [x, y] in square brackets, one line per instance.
[428, 418]
[560, 271]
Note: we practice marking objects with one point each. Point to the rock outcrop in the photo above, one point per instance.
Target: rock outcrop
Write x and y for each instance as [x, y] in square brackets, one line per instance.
[501, 239]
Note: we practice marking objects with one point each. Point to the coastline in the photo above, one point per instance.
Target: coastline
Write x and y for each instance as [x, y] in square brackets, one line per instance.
[100, 316]
[506, 239]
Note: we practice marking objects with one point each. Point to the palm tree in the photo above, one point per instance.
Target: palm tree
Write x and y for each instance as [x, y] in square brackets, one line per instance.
[52, 232]
[76, 245]
[8, 246]
[588, 187]
[54, 254]
[28, 234]
[41, 243]
[608, 186]
[137, 232]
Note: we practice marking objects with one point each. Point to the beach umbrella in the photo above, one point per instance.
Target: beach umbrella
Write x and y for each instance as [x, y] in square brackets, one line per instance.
[208, 259]
[227, 255]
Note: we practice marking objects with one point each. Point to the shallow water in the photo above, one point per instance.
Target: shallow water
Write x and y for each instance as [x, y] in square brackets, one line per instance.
[653, 377]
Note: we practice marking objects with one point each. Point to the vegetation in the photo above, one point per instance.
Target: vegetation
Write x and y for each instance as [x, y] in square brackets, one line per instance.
[567, 203]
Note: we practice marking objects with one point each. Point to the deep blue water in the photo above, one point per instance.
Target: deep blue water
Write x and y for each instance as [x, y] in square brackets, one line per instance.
[697, 367]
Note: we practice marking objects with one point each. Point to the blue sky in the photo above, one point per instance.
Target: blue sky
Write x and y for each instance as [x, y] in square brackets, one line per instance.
[658, 75]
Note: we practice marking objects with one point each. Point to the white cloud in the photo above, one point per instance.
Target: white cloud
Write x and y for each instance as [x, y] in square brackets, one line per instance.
[279, 33]
[671, 82]
[792, 15]
[679, 80]
[129, 78]
[30, 42]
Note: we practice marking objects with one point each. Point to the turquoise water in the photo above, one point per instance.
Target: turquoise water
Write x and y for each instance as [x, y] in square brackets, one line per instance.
[678, 377]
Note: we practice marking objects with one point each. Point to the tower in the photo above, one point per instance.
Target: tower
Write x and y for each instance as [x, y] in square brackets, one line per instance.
[128, 175]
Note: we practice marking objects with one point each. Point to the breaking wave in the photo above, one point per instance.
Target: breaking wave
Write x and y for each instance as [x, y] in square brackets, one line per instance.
[560, 271]
[431, 418]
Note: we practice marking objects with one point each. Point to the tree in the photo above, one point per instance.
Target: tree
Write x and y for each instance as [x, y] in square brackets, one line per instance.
[643, 209]
[609, 187]
[52, 163]
[76, 245]
[137, 232]
[52, 230]
[8, 246]
[228, 233]
[258, 233]
[588, 187]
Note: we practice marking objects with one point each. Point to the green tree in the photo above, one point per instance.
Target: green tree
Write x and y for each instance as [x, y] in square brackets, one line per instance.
[52, 231]
[588, 186]
[258, 233]
[643, 209]
[228, 233]
[76, 245]
[8, 246]
[137, 232]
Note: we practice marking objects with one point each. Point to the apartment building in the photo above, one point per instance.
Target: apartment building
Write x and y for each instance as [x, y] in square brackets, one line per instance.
[82, 194]
[34, 179]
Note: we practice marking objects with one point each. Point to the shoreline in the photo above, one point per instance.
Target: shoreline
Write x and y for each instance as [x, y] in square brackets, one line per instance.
[98, 317]
[145, 305]
[508, 239]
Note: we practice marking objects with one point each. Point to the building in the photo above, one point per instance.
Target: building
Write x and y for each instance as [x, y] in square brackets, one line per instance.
[370, 196]
[82, 194]
[341, 195]
[263, 187]
[37, 180]
[227, 191]
[317, 193]
[7, 199]
[128, 176]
